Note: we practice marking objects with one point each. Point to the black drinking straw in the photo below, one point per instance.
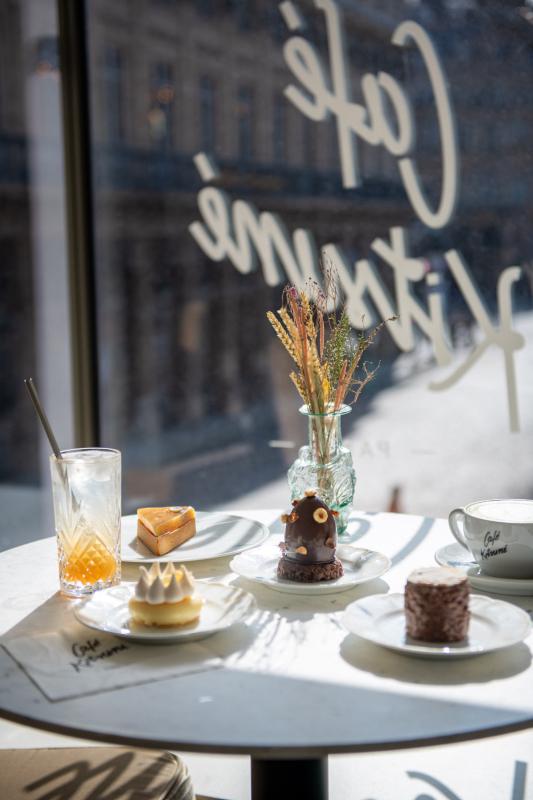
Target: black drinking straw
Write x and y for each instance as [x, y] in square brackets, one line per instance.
[30, 386]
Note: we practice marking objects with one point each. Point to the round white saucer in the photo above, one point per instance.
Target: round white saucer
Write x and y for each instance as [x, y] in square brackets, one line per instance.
[494, 625]
[108, 611]
[217, 534]
[360, 565]
[455, 555]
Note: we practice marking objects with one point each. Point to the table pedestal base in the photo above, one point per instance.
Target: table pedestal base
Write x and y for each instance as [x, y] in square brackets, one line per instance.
[290, 779]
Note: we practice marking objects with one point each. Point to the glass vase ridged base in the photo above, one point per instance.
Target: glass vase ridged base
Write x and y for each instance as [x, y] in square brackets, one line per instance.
[326, 465]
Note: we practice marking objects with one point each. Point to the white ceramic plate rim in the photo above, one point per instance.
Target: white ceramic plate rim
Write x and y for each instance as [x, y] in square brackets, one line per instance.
[129, 556]
[376, 606]
[264, 571]
[454, 554]
[117, 597]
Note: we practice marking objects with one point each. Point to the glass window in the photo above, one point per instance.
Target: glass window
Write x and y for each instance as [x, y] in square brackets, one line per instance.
[279, 131]
[207, 113]
[245, 122]
[309, 144]
[113, 91]
[195, 388]
[34, 319]
[160, 114]
[244, 13]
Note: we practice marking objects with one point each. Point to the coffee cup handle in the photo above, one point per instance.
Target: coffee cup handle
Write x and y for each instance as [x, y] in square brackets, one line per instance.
[456, 520]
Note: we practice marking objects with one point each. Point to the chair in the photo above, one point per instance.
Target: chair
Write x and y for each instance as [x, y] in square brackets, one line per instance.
[93, 773]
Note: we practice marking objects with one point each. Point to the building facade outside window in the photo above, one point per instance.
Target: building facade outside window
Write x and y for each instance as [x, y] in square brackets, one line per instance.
[245, 122]
[161, 112]
[207, 113]
[113, 82]
[279, 129]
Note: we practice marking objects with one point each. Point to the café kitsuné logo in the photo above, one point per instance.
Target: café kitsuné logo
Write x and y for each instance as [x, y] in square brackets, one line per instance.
[249, 238]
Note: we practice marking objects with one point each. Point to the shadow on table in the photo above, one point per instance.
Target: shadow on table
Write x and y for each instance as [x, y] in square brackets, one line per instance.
[304, 607]
[416, 539]
[478, 669]
[54, 612]
[441, 788]
[518, 789]
[359, 526]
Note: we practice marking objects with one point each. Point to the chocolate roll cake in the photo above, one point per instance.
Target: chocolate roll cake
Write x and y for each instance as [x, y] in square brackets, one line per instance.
[436, 604]
[310, 542]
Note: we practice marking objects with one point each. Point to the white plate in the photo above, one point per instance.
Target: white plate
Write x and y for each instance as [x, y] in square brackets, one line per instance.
[108, 611]
[494, 624]
[360, 565]
[455, 555]
[217, 534]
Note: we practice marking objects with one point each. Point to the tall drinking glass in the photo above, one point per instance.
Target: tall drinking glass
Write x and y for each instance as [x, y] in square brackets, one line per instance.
[87, 490]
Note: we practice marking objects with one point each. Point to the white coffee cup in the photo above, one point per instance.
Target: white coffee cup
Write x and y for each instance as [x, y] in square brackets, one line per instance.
[499, 534]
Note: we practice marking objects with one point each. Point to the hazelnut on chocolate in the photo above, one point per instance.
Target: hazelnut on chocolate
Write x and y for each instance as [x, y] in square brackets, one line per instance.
[308, 549]
[310, 532]
[320, 515]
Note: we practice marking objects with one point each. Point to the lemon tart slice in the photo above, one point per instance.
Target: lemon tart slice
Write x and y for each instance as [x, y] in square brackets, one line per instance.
[163, 529]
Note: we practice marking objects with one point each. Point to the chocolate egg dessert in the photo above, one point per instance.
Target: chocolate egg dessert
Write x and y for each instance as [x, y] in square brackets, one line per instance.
[310, 541]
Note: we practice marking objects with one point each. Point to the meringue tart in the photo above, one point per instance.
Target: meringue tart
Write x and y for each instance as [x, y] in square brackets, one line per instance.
[165, 599]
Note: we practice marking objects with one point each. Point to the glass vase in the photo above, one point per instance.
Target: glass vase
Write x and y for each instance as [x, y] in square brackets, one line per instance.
[326, 465]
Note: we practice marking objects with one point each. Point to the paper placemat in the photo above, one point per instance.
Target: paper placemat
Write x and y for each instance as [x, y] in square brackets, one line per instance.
[75, 661]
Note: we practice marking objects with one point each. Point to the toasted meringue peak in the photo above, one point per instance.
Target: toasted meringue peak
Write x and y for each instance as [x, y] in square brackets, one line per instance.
[169, 570]
[156, 591]
[170, 586]
[143, 584]
[175, 591]
[155, 570]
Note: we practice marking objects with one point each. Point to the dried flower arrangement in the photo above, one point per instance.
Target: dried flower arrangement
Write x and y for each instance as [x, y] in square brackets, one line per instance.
[331, 372]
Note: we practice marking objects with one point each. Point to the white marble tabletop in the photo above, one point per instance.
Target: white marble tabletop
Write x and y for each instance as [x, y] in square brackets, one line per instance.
[294, 682]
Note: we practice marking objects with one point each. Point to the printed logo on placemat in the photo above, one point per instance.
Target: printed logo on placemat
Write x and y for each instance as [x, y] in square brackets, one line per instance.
[91, 651]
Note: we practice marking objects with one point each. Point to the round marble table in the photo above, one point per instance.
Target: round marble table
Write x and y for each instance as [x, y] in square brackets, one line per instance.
[294, 686]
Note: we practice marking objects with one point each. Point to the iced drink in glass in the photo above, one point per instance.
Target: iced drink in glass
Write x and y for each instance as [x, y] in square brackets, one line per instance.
[87, 492]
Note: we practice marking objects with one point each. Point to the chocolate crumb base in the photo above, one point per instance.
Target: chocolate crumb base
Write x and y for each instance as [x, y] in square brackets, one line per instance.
[309, 573]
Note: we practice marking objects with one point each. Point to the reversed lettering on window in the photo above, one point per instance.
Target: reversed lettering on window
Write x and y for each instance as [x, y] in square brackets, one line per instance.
[251, 239]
